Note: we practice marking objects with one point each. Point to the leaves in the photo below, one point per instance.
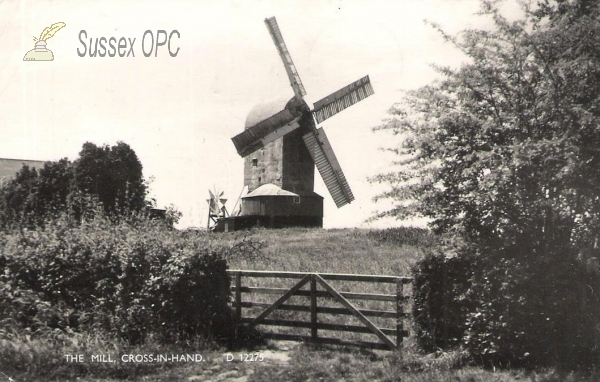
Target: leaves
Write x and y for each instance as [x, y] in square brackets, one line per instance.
[506, 144]
[502, 154]
[124, 279]
[109, 177]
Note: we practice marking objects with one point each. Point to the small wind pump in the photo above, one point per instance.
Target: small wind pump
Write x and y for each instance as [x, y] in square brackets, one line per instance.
[216, 208]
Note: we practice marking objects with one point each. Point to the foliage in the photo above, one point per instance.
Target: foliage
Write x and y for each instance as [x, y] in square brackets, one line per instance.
[532, 313]
[33, 357]
[109, 175]
[172, 215]
[134, 279]
[114, 174]
[508, 311]
[440, 301]
[33, 194]
[504, 148]
[502, 154]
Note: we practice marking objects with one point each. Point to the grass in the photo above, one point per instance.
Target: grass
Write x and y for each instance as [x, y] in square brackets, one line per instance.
[309, 250]
[45, 358]
[349, 365]
[390, 252]
[332, 251]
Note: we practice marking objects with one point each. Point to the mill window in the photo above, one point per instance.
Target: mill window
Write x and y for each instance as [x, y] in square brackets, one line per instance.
[254, 162]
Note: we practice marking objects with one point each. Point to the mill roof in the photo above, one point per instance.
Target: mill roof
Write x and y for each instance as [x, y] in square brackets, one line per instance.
[269, 189]
[263, 111]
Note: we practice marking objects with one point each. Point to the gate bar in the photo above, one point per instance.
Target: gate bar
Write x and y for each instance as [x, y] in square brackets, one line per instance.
[281, 300]
[356, 313]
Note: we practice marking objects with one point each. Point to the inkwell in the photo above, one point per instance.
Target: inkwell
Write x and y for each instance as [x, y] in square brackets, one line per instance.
[40, 52]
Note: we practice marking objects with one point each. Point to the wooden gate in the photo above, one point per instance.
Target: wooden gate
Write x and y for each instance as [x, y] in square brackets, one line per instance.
[389, 338]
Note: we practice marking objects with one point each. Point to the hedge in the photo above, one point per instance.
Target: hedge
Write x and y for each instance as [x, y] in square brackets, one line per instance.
[134, 280]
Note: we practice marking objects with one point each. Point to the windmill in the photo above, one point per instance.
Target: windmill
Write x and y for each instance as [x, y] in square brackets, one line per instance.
[281, 145]
[216, 208]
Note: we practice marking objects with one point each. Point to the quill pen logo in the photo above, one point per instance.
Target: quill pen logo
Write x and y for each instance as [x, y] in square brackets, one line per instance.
[40, 52]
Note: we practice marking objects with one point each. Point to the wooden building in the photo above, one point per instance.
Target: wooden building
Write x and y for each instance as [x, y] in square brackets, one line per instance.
[9, 167]
[281, 145]
[280, 176]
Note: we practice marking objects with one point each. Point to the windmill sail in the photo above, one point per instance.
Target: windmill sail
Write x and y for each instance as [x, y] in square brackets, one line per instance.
[265, 132]
[328, 166]
[342, 99]
[213, 204]
[290, 68]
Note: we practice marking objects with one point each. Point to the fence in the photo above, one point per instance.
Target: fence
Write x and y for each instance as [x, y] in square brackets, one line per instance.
[326, 290]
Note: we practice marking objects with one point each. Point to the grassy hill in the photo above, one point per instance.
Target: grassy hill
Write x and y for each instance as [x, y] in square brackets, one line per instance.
[357, 251]
[387, 252]
[363, 252]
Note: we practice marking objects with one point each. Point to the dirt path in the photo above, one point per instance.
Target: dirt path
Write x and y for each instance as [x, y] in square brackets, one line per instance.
[239, 366]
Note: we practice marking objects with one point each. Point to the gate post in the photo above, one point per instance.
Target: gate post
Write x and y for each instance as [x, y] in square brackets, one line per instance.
[313, 308]
[238, 297]
[399, 313]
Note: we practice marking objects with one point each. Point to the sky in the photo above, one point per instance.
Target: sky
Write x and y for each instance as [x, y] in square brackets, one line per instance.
[180, 113]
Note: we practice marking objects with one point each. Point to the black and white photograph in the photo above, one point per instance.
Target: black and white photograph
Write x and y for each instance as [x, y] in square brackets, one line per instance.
[308, 190]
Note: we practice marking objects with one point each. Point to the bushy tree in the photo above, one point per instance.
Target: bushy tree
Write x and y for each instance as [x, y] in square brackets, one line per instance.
[32, 195]
[111, 175]
[114, 174]
[505, 147]
[502, 153]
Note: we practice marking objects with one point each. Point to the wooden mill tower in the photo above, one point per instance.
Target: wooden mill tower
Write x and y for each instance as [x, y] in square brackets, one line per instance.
[281, 145]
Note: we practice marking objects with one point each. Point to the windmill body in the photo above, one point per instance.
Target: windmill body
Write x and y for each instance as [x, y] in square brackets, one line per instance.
[281, 144]
[285, 162]
[280, 176]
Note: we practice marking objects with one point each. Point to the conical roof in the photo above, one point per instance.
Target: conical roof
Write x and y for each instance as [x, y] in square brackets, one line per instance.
[269, 189]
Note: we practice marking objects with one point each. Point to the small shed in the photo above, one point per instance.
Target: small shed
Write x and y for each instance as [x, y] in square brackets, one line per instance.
[274, 207]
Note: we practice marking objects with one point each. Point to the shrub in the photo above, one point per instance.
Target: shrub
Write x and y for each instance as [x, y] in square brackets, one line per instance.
[534, 312]
[440, 303]
[135, 280]
[509, 308]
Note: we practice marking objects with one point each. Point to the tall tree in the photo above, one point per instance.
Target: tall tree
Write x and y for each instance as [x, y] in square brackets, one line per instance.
[111, 175]
[503, 151]
[32, 194]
